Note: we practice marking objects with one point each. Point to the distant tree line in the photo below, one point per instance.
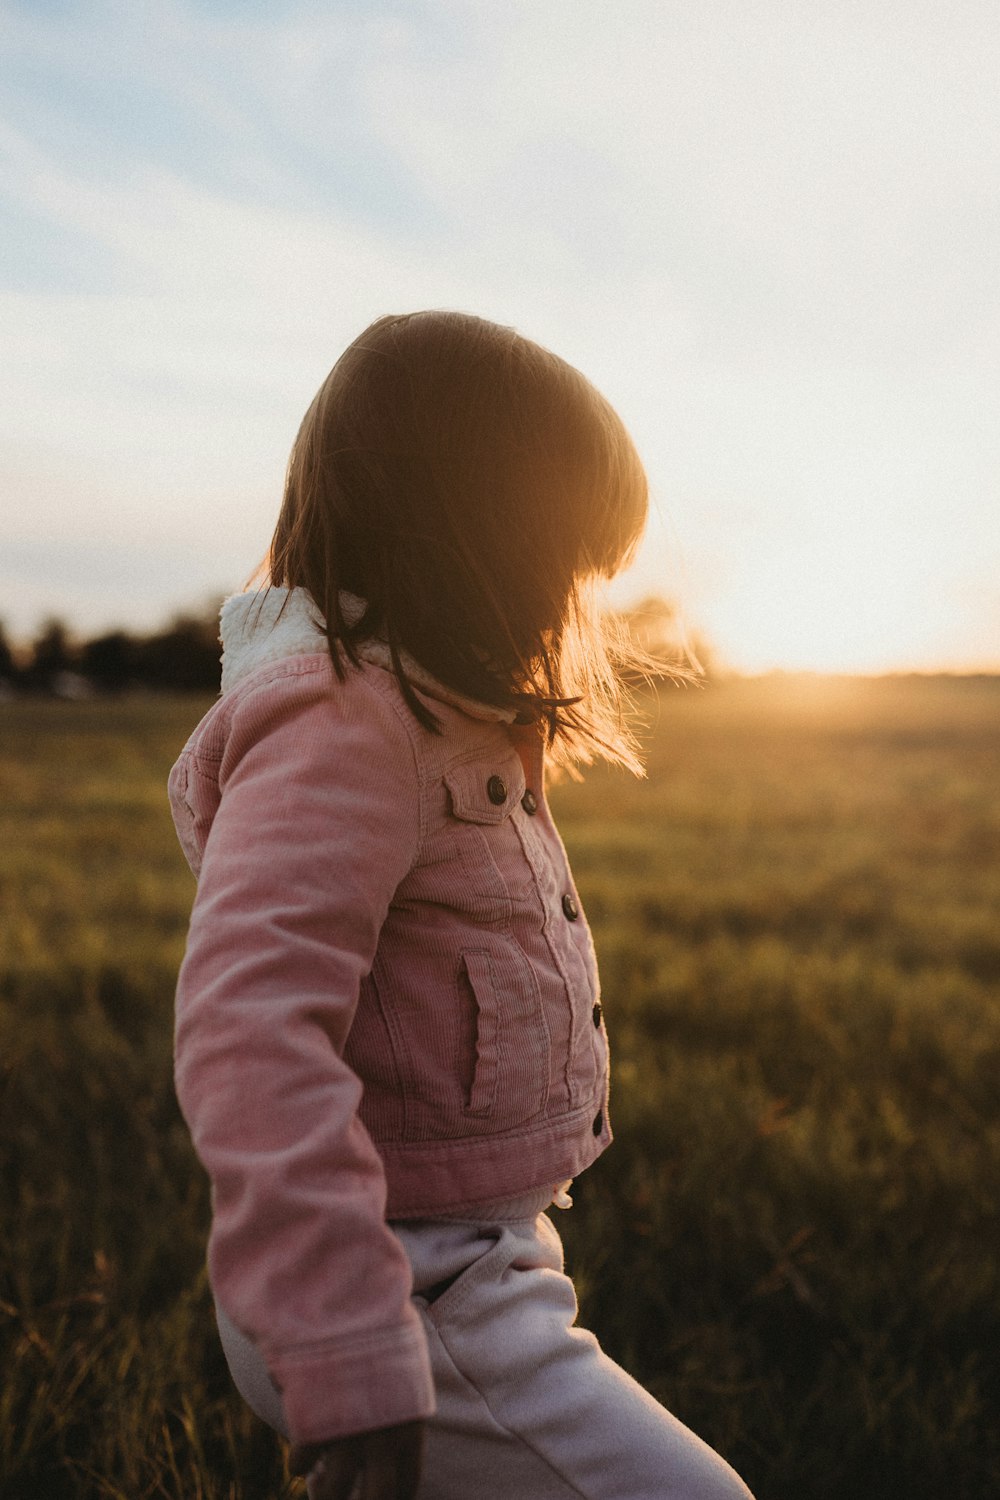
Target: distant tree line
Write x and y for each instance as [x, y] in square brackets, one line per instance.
[184, 657]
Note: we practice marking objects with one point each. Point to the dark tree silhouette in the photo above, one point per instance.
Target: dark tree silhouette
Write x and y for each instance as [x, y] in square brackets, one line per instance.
[111, 662]
[8, 666]
[184, 658]
[51, 655]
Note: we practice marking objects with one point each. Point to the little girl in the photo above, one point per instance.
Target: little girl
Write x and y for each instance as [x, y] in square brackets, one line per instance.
[390, 1043]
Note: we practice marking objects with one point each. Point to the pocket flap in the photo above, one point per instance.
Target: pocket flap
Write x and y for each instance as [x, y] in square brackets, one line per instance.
[484, 792]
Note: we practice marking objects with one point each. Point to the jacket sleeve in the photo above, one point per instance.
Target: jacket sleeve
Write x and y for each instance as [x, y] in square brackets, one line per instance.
[317, 822]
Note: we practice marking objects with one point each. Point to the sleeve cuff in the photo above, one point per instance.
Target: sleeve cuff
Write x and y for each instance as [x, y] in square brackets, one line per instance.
[342, 1387]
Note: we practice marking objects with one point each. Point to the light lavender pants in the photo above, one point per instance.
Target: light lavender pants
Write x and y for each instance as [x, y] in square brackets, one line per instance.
[528, 1406]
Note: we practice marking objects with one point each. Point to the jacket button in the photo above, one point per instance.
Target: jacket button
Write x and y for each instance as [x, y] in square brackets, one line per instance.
[570, 907]
[597, 1013]
[530, 803]
[496, 790]
[599, 1123]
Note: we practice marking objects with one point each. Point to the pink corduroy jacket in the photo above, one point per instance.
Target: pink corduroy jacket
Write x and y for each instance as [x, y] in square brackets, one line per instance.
[388, 1006]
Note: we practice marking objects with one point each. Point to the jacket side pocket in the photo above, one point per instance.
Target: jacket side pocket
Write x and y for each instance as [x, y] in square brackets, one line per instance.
[478, 972]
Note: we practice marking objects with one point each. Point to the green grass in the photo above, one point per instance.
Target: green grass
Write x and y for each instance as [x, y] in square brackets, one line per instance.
[793, 1240]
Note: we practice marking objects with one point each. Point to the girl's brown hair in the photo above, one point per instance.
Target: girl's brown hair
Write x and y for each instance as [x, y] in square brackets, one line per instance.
[471, 488]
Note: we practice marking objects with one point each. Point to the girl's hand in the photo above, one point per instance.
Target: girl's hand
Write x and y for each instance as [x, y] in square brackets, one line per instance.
[382, 1465]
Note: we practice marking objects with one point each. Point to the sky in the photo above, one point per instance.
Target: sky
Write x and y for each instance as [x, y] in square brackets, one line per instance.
[768, 231]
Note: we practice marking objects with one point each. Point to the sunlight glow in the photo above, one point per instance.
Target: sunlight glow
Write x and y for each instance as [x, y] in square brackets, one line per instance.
[840, 609]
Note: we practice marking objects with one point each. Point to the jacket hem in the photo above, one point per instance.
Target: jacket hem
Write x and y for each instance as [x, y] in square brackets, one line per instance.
[428, 1178]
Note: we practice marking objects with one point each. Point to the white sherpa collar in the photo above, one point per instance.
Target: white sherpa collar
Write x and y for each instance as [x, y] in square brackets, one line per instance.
[266, 626]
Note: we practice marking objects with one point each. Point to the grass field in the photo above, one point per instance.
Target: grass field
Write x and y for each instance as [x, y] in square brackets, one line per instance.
[794, 1240]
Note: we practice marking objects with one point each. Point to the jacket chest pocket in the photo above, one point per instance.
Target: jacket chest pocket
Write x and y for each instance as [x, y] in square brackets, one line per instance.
[508, 1069]
[494, 871]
